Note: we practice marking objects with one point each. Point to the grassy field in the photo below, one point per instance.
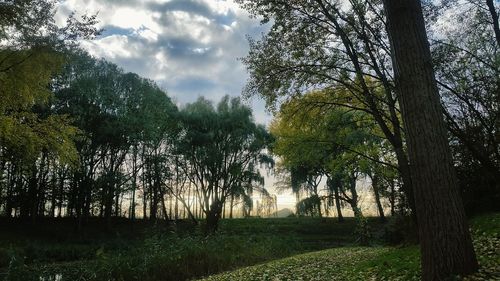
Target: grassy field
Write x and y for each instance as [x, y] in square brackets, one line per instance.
[275, 249]
[372, 263]
[142, 251]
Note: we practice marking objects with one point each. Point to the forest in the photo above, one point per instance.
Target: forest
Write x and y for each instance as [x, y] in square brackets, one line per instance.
[385, 133]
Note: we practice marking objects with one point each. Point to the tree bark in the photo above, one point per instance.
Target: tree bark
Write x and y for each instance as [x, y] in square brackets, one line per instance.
[494, 17]
[340, 217]
[376, 193]
[445, 242]
[231, 205]
[334, 183]
[213, 216]
[392, 198]
[353, 201]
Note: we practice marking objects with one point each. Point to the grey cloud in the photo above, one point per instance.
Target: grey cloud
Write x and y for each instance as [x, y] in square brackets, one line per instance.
[188, 6]
[187, 72]
[193, 7]
[109, 30]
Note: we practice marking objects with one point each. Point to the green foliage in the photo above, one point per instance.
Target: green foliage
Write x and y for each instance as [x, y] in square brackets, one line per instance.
[24, 132]
[173, 258]
[222, 148]
[315, 138]
[400, 230]
[309, 206]
[30, 55]
[362, 230]
[312, 132]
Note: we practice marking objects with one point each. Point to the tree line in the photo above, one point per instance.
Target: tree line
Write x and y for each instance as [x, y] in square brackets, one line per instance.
[81, 138]
[125, 141]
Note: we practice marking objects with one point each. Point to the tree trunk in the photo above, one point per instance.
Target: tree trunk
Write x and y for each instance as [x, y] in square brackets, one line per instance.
[166, 215]
[392, 199]
[353, 201]
[176, 209]
[335, 183]
[407, 183]
[134, 182]
[446, 245]
[231, 205]
[224, 210]
[337, 204]
[213, 217]
[188, 209]
[318, 204]
[10, 190]
[376, 193]
[212, 222]
[494, 17]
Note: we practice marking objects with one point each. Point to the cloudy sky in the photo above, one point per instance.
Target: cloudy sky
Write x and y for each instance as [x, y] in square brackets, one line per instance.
[189, 47]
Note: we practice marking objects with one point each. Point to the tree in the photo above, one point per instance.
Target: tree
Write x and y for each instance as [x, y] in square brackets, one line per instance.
[120, 115]
[314, 141]
[32, 138]
[446, 245]
[222, 148]
[326, 45]
[466, 59]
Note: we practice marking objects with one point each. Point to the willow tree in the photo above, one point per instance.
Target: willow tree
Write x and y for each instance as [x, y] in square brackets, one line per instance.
[314, 141]
[222, 147]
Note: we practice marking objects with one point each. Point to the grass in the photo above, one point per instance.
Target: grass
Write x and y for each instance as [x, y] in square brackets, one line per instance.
[247, 249]
[372, 263]
[140, 251]
[332, 264]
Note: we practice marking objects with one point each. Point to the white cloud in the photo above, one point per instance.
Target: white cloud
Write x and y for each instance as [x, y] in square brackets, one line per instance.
[147, 34]
[109, 47]
[190, 47]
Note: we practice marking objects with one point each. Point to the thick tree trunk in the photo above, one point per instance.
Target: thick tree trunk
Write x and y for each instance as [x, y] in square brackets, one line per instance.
[212, 222]
[446, 246]
[213, 217]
